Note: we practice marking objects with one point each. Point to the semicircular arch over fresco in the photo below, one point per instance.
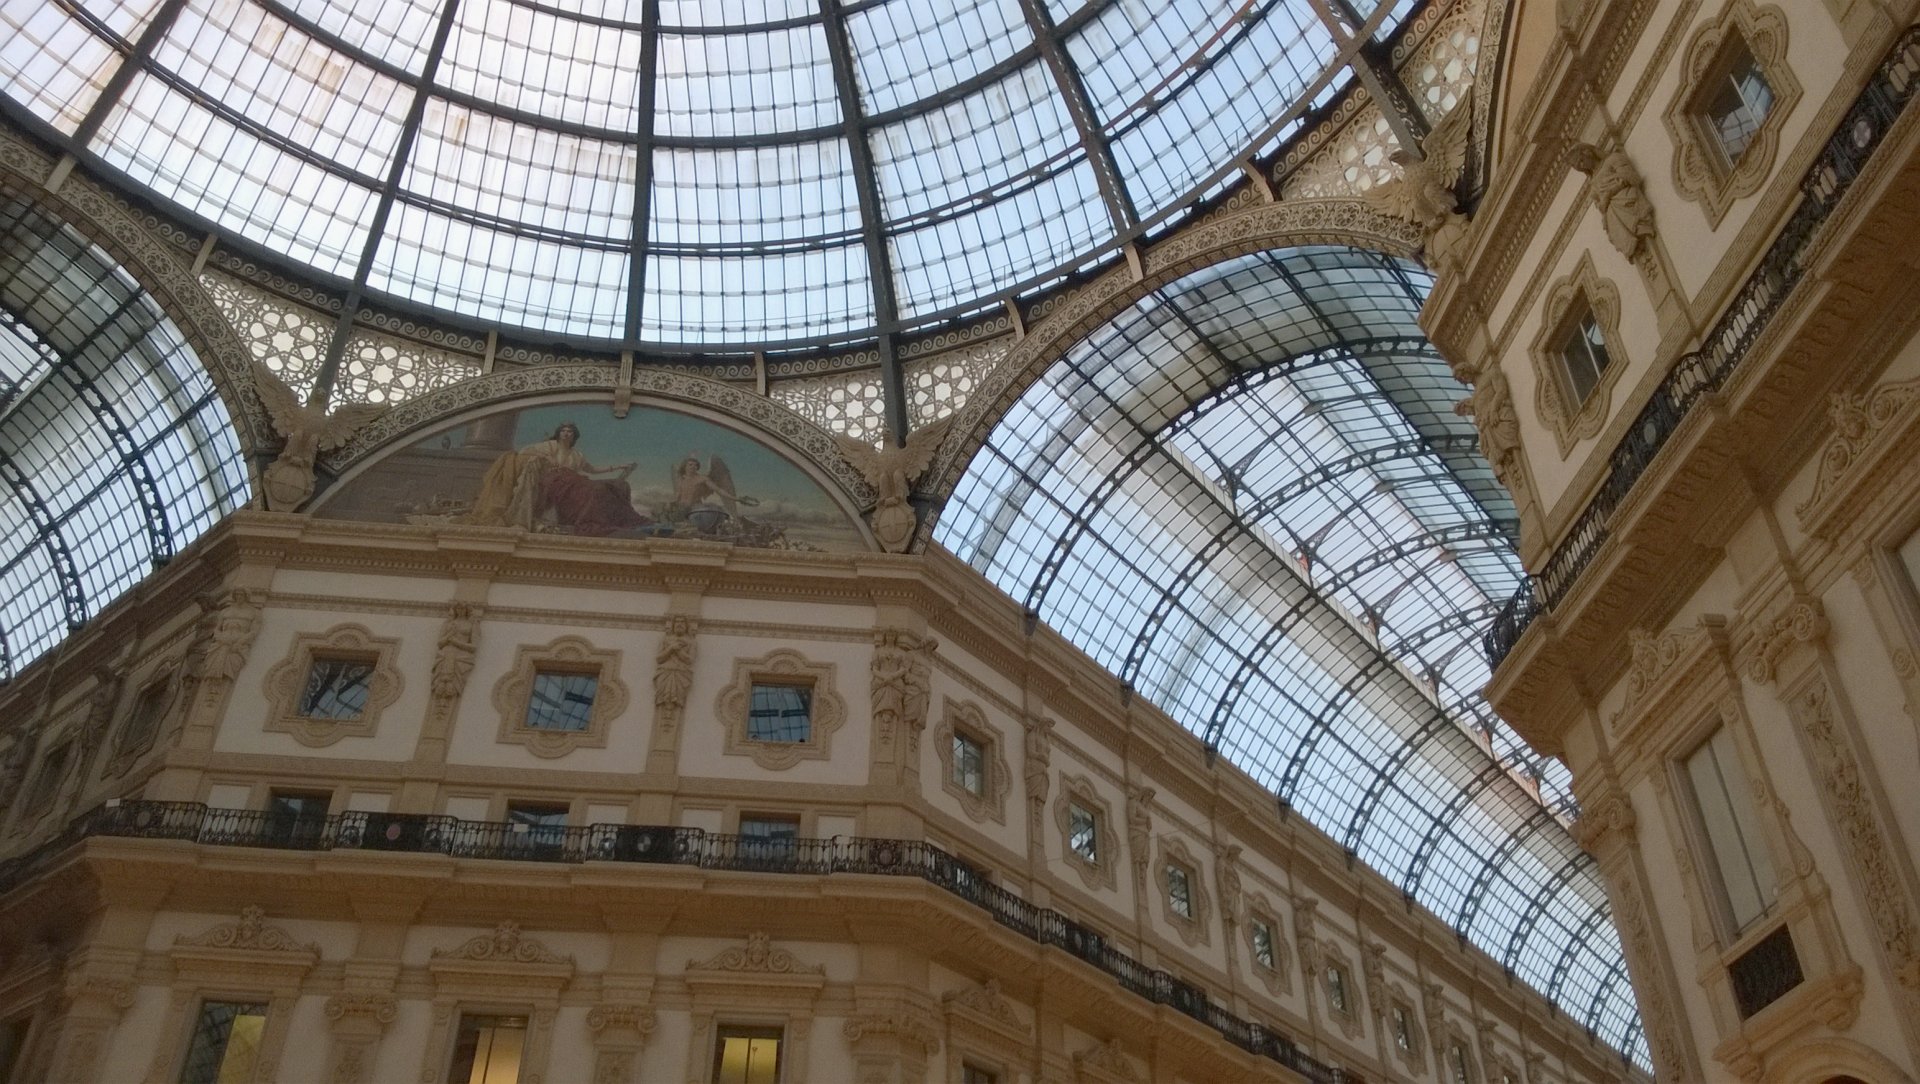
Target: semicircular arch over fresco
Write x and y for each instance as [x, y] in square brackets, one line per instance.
[571, 467]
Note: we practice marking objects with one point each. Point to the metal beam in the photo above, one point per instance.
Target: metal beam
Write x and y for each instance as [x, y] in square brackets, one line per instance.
[131, 65]
[1073, 90]
[642, 173]
[329, 373]
[1371, 65]
[886, 306]
[73, 595]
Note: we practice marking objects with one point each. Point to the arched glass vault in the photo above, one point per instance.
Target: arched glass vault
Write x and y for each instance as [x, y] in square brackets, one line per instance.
[1249, 496]
[115, 448]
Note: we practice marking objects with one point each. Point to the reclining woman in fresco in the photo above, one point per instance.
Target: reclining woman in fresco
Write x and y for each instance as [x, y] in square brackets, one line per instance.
[551, 478]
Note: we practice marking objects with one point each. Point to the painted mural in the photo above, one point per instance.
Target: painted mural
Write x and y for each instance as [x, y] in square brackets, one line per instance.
[573, 468]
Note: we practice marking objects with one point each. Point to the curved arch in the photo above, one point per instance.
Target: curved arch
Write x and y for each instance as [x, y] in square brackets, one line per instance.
[1264, 227]
[1273, 526]
[1819, 1061]
[132, 241]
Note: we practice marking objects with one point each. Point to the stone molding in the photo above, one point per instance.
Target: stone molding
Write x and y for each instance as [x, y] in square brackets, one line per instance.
[506, 944]
[966, 717]
[249, 933]
[1105, 1064]
[1570, 422]
[782, 666]
[758, 956]
[906, 1027]
[572, 654]
[1803, 622]
[1699, 172]
[287, 678]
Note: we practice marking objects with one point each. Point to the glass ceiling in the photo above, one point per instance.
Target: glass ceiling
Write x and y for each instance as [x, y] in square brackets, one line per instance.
[115, 449]
[676, 172]
[1249, 497]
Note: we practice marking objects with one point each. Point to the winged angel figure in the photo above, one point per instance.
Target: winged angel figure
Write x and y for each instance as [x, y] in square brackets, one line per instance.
[892, 469]
[309, 430]
[1423, 193]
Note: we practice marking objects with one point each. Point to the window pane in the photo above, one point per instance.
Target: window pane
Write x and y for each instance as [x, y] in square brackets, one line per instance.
[747, 1056]
[781, 713]
[1083, 833]
[1726, 812]
[537, 824]
[226, 1040]
[1739, 106]
[1179, 892]
[295, 817]
[1263, 944]
[1584, 357]
[561, 701]
[969, 768]
[487, 1050]
[336, 688]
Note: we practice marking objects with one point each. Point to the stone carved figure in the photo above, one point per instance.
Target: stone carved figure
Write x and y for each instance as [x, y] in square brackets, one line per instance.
[891, 470]
[309, 430]
[1423, 193]
[230, 620]
[453, 658]
[1226, 865]
[1491, 408]
[673, 670]
[1620, 195]
[902, 682]
[1139, 823]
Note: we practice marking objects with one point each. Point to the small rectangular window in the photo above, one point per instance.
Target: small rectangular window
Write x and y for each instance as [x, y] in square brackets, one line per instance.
[1583, 357]
[1457, 1064]
[1727, 819]
[297, 817]
[487, 1049]
[336, 688]
[969, 764]
[747, 1056]
[1402, 1031]
[537, 826]
[562, 700]
[1083, 832]
[1337, 988]
[1737, 102]
[768, 837]
[1263, 944]
[226, 1042]
[780, 713]
[973, 1074]
[1180, 890]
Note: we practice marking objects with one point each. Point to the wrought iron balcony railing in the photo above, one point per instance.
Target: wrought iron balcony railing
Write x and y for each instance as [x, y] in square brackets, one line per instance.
[1726, 345]
[666, 845]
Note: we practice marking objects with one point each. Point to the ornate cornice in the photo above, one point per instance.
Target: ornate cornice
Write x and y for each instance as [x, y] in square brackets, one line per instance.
[757, 956]
[251, 933]
[1875, 438]
[505, 945]
[985, 1001]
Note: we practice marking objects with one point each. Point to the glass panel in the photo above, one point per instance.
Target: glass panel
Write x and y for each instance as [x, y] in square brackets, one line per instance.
[225, 1043]
[969, 764]
[747, 1056]
[781, 713]
[1083, 832]
[1584, 357]
[561, 700]
[1402, 1034]
[487, 1050]
[1263, 944]
[1337, 988]
[541, 826]
[1726, 812]
[1739, 105]
[336, 688]
[1180, 891]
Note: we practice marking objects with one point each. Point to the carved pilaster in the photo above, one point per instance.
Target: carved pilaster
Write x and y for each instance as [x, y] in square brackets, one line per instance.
[620, 1033]
[892, 1047]
[92, 1005]
[1139, 834]
[358, 1018]
[1038, 749]
[902, 691]
[229, 621]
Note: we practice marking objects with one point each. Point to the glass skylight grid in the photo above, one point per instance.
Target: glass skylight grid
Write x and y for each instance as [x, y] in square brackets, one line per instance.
[905, 52]
[523, 58]
[705, 13]
[557, 185]
[740, 85]
[96, 388]
[269, 192]
[810, 289]
[716, 199]
[52, 63]
[395, 32]
[1114, 499]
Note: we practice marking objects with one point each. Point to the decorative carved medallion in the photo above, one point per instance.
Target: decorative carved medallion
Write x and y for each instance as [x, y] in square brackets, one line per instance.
[757, 956]
[251, 932]
[505, 945]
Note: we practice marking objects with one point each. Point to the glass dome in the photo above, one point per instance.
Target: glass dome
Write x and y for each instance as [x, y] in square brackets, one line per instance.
[675, 172]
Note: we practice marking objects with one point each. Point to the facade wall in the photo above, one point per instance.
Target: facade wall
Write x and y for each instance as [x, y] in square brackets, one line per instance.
[1744, 578]
[624, 971]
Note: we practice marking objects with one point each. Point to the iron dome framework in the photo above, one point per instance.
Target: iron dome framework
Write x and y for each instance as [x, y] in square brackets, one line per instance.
[1250, 497]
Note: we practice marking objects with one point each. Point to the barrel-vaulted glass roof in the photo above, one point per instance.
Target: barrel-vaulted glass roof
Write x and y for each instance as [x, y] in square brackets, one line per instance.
[115, 449]
[1249, 496]
[679, 172]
